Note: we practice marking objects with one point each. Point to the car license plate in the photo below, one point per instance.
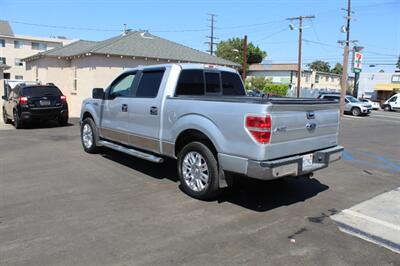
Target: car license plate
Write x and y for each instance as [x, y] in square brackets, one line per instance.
[44, 102]
[307, 160]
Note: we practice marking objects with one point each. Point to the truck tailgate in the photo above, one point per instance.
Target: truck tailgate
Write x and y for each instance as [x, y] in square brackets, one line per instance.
[298, 128]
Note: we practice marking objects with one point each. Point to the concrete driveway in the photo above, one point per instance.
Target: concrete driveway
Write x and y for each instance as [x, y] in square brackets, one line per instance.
[61, 206]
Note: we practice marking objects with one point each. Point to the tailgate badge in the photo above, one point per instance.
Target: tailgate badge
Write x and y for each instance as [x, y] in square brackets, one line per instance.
[310, 115]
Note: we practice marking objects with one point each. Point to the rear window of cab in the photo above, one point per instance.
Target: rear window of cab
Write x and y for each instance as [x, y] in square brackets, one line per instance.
[199, 82]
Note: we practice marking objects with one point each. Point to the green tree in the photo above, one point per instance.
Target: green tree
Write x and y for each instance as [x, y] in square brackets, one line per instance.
[338, 69]
[319, 65]
[232, 49]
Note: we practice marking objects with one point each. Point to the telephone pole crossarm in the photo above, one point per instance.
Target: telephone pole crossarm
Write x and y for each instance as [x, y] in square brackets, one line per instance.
[300, 19]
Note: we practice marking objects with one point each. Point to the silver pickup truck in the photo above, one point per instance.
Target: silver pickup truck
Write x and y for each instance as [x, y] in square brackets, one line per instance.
[201, 116]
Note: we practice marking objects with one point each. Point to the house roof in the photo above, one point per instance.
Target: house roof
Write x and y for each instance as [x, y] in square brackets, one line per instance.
[273, 67]
[138, 44]
[5, 28]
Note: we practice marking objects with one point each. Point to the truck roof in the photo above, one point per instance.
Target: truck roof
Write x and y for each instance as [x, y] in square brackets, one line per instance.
[185, 66]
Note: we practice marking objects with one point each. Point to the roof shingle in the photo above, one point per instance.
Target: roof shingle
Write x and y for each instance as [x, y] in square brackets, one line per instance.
[140, 44]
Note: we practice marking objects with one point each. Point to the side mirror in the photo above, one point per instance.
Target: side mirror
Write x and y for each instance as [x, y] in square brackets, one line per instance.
[4, 97]
[97, 93]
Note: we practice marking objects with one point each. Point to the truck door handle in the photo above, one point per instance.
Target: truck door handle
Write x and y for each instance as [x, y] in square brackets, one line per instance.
[153, 110]
[124, 108]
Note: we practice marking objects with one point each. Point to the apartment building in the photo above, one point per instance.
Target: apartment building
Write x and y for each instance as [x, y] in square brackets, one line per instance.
[311, 81]
[14, 47]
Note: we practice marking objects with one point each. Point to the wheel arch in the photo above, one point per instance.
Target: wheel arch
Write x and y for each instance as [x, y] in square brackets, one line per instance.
[192, 135]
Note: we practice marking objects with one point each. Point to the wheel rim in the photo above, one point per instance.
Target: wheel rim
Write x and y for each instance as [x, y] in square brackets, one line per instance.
[195, 171]
[356, 112]
[87, 136]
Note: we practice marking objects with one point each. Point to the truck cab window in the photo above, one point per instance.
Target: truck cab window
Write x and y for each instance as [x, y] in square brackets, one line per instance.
[191, 82]
[213, 84]
[232, 84]
[149, 84]
[122, 86]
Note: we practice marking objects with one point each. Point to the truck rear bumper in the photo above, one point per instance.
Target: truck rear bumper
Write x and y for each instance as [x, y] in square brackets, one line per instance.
[293, 166]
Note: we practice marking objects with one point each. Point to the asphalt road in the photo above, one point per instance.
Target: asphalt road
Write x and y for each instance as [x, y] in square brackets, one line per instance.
[61, 206]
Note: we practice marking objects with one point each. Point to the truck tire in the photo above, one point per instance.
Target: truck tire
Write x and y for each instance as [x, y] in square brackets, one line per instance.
[17, 120]
[387, 108]
[355, 111]
[89, 136]
[5, 118]
[198, 171]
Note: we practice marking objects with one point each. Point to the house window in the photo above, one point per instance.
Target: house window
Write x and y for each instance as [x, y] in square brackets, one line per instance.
[396, 78]
[316, 78]
[18, 44]
[39, 46]
[2, 43]
[18, 62]
[327, 79]
[19, 77]
[2, 60]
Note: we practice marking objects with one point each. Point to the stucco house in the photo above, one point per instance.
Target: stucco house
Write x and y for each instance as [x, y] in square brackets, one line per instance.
[79, 67]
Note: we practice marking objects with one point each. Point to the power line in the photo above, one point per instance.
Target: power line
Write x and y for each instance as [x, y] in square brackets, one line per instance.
[272, 34]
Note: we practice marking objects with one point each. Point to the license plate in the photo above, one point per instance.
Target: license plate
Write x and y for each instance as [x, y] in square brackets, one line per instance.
[307, 160]
[44, 102]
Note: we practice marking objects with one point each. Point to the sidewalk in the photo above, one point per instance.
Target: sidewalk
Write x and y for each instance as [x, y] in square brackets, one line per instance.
[376, 220]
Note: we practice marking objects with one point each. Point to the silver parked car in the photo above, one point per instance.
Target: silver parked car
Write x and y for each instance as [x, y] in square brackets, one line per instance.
[201, 116]
[352, 105]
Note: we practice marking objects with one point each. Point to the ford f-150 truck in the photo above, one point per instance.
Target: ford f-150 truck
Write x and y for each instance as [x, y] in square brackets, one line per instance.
[200, 115]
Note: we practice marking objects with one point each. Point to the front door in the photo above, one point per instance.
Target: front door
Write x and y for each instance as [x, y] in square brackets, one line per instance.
[145, 111]
[115, 108]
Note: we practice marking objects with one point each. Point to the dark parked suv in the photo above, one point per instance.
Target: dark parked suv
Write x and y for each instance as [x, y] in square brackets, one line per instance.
[34, 102]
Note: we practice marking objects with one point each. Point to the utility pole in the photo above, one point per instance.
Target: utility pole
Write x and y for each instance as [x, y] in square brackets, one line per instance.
[345, 59]
[212, 42]
[300, 19]
[244, 58]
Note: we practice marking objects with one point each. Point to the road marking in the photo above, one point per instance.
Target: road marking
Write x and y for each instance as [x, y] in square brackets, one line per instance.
[371, 219]
[350, 116]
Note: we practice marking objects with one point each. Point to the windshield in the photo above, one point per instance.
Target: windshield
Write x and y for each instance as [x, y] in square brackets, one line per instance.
[39, 91]
[352, 99]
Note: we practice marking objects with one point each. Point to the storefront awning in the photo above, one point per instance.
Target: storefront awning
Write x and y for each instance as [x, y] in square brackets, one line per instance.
[387, 87]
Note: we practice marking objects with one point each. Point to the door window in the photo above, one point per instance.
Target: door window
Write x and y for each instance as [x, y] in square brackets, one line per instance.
[122, 86]
[393, 99]
[149, 84]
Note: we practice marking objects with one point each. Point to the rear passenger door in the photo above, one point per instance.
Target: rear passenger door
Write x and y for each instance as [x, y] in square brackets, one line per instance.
[145, 110]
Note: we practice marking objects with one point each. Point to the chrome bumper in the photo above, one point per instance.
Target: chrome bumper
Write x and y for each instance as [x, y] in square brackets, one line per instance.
[292, 166]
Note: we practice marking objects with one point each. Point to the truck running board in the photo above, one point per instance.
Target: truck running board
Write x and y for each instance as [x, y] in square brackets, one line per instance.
[130, 151]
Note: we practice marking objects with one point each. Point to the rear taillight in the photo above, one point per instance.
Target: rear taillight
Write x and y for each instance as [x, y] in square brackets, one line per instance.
[259, 128]
[23, 100]
[63, 98]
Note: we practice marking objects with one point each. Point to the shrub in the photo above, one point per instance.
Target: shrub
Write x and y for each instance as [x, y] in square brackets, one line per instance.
[277, 89]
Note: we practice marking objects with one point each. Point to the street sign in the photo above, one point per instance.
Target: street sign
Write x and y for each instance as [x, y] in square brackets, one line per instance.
[357, 66]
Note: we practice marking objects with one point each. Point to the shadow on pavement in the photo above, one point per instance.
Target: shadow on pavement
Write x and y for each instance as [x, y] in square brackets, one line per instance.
[44, 124]
[261, 196]
[256, 195]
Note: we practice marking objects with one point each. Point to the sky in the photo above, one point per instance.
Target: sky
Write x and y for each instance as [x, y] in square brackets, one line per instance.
[375, 24]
